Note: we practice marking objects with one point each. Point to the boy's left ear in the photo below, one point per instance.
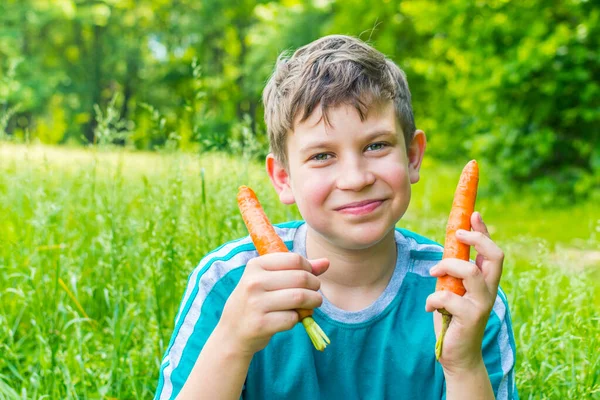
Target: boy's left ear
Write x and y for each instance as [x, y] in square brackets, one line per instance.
[416, 149]
[280, 179]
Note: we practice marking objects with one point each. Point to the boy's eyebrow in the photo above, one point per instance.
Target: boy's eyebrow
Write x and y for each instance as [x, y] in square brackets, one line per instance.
[382, 132]
[318, 144]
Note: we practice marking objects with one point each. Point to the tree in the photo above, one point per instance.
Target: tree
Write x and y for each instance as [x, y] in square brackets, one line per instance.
[516, 83]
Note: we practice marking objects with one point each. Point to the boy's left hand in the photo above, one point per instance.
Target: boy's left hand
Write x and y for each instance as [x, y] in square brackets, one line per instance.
[462, 345]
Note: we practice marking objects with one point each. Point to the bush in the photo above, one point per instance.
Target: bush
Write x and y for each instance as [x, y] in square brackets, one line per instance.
[507, 86]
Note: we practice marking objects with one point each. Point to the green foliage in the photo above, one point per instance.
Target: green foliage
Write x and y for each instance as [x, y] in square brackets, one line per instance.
[508, 86]
[110, 126]
[514, 84]
[96, 247]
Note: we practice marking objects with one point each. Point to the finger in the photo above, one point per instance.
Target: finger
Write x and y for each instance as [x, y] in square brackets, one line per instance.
[482, 243]
[319, 265]
[456, 305]
[493, 257]
[472, 276]
[279, 321]
[478, 225]
[282, 261]
[291, 299]
[276, 280]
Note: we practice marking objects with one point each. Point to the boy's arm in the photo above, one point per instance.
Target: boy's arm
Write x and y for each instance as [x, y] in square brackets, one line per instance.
[469, 384]
[219, 372]
[499, 357]
[263, 303]
[462, 356]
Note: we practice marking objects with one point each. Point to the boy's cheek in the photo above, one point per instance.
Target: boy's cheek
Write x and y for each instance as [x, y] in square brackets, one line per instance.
[310, 202]
[397, 176]
[314, 189]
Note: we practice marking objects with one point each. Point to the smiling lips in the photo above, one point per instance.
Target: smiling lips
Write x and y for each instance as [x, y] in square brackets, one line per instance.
[360, 207]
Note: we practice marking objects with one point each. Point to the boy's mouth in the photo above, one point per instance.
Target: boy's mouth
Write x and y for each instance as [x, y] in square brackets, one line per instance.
[360, 207]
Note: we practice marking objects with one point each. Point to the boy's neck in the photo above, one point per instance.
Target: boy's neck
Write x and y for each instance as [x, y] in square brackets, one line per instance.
[355, 278]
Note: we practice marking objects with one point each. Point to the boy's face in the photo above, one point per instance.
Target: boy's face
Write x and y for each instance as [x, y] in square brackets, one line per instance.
[352, 179]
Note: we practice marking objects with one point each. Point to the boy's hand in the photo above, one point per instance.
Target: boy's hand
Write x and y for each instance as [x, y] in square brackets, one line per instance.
[263, 302]
[470, 313]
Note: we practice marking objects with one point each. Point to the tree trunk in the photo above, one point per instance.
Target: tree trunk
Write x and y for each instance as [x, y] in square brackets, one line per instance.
[96, 81]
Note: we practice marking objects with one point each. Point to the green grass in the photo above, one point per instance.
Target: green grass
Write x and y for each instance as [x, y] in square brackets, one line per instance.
[96, 246]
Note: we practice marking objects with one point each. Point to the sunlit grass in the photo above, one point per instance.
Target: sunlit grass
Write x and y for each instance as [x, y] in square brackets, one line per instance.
[96, 247]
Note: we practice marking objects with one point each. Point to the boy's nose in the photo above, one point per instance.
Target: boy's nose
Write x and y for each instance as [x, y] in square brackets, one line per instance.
[354, 176]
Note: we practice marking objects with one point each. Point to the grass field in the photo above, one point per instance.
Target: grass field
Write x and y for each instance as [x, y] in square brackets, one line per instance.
[96, 246]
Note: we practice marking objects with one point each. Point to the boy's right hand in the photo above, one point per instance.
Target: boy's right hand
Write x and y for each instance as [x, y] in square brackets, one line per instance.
[263, 302]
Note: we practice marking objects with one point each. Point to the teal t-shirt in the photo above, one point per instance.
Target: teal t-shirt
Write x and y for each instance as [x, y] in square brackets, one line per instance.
[383, 351]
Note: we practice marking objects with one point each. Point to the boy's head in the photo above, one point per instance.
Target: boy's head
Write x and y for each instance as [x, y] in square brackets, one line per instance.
[329, 72]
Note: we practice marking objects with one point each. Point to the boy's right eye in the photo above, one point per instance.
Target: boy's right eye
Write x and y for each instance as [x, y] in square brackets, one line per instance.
[321, 157]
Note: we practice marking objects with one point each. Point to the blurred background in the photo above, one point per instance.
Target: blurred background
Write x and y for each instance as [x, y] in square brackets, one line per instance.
[516, 84]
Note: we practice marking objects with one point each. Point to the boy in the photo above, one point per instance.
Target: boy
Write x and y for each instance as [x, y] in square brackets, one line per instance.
[346, 151]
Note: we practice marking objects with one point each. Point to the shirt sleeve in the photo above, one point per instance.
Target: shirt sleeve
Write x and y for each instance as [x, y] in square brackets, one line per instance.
[499, 351]
[207, 291]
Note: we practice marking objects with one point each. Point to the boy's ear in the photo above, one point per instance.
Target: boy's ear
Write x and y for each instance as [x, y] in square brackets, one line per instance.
[416, 149]
[280, 179]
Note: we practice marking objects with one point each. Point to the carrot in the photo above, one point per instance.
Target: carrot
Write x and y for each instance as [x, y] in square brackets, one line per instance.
[460, 218]
[267, 241]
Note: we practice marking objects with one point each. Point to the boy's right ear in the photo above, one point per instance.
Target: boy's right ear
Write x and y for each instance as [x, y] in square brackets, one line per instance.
[280, 179]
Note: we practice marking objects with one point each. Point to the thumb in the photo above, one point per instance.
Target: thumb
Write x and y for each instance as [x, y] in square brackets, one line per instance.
[319, 265]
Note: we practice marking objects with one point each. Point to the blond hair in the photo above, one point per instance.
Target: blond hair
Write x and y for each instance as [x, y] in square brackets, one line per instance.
[329, 72]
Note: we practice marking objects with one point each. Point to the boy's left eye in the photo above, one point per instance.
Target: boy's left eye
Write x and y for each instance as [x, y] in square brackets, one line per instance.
[375, 146]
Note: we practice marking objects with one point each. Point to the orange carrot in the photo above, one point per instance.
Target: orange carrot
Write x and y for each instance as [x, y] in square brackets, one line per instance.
[460, 218]
[266, 241]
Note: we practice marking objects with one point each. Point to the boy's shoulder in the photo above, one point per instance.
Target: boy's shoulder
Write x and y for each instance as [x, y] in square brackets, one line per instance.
[236, 253]
[421, 247]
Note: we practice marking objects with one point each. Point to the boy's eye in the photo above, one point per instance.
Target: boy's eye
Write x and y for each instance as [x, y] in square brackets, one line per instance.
[320, 157]
[375, 146]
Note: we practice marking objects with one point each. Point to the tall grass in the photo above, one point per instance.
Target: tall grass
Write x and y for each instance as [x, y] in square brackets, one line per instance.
[96, 247]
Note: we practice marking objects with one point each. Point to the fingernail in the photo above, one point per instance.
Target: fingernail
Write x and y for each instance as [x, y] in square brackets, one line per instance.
[460, 232]
[479, 218]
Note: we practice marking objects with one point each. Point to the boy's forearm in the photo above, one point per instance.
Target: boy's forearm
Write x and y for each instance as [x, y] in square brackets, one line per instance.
[219, 372]
[467, 385]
